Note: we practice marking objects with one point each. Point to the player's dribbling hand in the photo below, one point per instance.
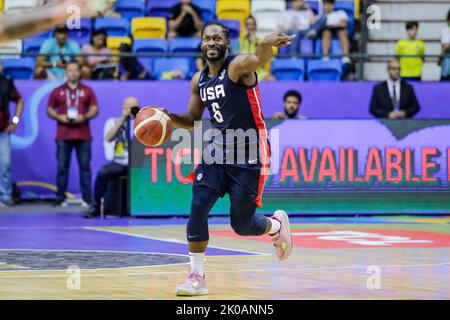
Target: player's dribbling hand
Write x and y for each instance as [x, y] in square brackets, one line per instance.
[278, 39]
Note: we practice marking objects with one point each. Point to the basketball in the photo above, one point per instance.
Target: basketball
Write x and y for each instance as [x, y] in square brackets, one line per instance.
[152, 126]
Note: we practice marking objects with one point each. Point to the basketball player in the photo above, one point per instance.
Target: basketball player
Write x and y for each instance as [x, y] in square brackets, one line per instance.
[228, 88]
[28, 22]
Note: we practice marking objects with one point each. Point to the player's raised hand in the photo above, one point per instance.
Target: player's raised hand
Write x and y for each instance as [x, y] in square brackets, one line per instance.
[278, 39]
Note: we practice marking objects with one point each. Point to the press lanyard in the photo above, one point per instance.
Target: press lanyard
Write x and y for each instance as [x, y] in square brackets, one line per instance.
[69, 100]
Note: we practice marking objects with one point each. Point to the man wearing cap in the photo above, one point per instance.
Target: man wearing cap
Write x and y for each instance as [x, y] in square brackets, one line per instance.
[59, 49]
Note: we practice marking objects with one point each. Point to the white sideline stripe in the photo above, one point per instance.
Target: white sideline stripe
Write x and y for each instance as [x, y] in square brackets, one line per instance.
[170, 240]
[212, 271]
[154, 118]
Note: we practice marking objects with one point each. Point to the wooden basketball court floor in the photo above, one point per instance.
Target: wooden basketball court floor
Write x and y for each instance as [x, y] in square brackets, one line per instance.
[62, 256]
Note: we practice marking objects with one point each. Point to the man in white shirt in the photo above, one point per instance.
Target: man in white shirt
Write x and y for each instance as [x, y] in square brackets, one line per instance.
[301, 21]
[336, 26]
[116, 132]
[445, 49]
[394, 98]
[299, 18]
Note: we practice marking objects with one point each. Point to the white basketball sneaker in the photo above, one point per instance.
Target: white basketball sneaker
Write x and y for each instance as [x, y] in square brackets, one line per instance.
[282, 240]
[195, 285]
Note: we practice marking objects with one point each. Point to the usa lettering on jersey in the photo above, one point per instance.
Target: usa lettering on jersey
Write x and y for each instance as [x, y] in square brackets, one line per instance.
[212, 93]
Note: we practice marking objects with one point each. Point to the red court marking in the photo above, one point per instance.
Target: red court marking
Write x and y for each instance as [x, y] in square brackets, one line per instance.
[354, 238]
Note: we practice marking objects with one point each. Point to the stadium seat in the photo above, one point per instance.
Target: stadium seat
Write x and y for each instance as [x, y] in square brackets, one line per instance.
[150, 45]
[207, 7]
[349, 8]
[115, 27]
[288, 69]
[13, 48]
[319, 70]
[162, 65]
[335, 47]
[130, 9]
[148, 27]
[44, 34]
[235, 10]
[22, 68]
[160, 8]
[264, 8]
[32, 45]
[82, 41]
[305, 46]
[266, 14]
[84, 30]
[185, 45]
[314, 5]
[234, 26]
[114, 43]
[19, 4]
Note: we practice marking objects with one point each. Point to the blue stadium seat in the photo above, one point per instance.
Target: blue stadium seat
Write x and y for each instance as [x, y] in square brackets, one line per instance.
[319, 70]
[42, 35]
[160, 8]
[234, 26]
[150, 45]
[288, 69]
[349, 8]
[161, 65]
[130, 9]
[82, 41]
[32, 45]
[208, 9]
[305, 46]
[185, 45]
[335, 47]
[314, 5]
[84, 30]
[22, 68]
[115, 27]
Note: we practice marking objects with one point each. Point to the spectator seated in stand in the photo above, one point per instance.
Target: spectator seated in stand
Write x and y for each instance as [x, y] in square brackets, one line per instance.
[131, 67]
[300, 20]
[336, 26]
[185, 20]
[109, 9]
[53, 66]
[97, 67]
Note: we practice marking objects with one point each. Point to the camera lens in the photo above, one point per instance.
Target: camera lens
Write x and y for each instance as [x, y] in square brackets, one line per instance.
[135, 111]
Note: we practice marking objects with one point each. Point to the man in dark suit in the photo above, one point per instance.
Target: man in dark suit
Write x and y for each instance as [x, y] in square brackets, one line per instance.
[394, 98]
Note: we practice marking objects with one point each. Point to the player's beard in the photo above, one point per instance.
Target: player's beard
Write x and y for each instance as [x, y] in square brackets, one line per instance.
[291, 114]
[221, 51]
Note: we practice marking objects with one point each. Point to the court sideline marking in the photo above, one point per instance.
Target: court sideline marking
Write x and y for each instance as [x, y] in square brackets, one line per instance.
[170, 240]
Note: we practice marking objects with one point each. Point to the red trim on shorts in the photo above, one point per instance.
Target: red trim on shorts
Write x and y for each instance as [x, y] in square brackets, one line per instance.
[254, 99]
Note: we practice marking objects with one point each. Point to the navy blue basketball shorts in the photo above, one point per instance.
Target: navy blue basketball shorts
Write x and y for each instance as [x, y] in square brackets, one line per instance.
[244, 187]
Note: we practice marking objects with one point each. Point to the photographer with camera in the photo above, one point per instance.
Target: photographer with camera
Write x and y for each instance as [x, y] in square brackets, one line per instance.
[73, 105]
[116, 132]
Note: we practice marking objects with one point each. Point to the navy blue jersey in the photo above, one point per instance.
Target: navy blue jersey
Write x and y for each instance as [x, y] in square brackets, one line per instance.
[236, 107]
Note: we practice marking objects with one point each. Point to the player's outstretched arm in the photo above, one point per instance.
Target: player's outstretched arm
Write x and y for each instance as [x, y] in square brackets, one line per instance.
[195, 108]
[248, 63]
[23, 24]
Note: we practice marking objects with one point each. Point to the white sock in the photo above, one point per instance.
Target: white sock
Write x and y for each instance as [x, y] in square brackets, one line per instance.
[276, 226]
[197, 262]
